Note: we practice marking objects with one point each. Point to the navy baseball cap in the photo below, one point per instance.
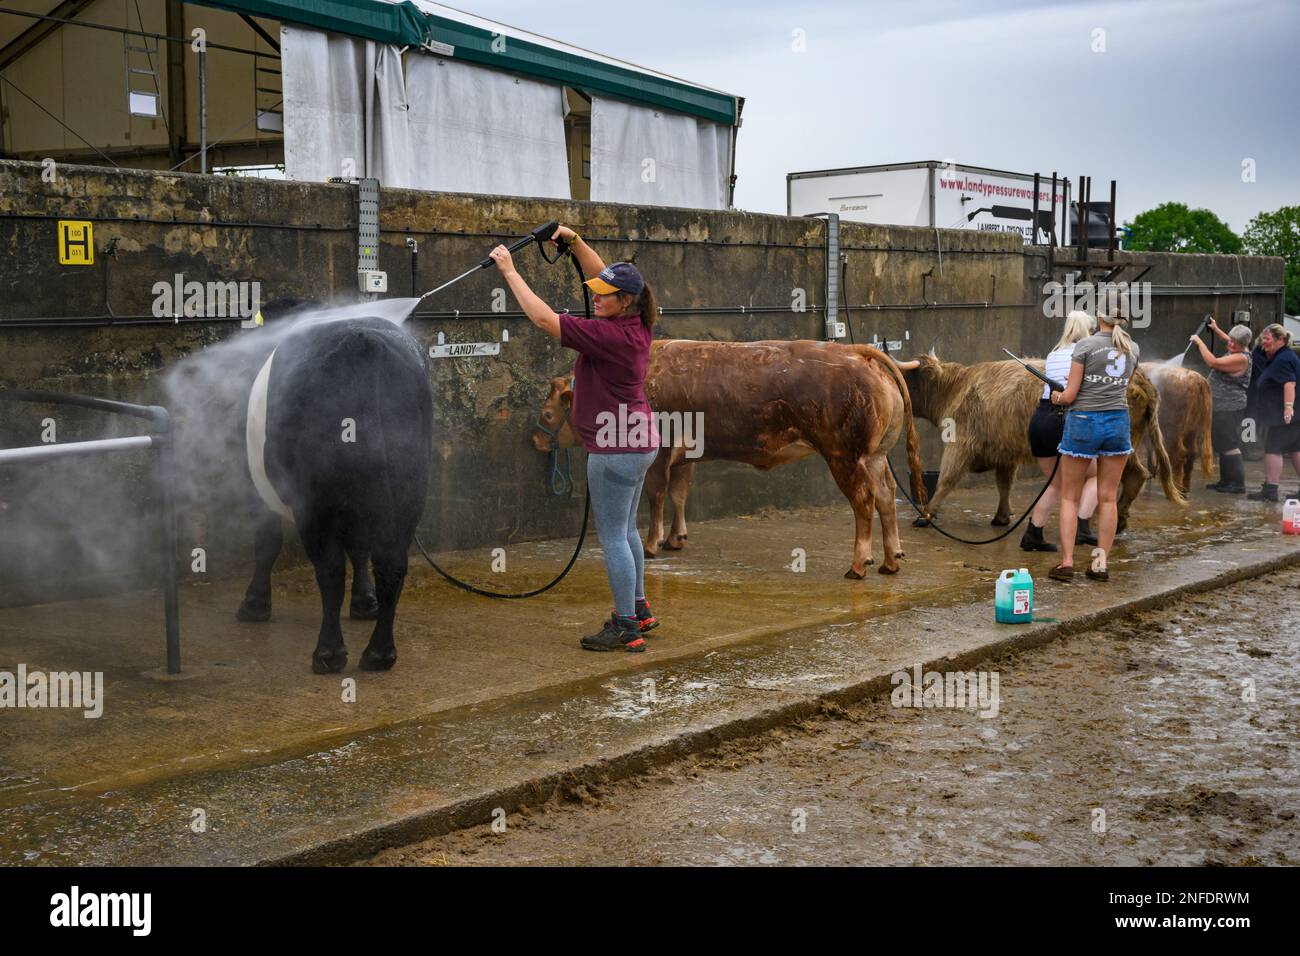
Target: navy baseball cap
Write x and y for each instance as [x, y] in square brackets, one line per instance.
[619, 277]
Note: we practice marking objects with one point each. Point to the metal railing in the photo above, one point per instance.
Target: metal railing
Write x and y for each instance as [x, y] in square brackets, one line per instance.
[160, 440]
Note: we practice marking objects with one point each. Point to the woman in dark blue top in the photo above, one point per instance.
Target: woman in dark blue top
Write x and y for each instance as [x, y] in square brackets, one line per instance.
[1275, 407]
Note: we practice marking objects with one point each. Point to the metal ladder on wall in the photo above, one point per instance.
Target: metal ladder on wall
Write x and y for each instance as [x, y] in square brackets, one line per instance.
[140, 60]
[268, 87]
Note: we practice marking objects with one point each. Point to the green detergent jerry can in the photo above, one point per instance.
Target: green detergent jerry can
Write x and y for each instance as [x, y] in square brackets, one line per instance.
[1014, 598]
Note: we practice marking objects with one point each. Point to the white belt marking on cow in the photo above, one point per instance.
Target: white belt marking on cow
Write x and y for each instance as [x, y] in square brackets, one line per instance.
[256, 434]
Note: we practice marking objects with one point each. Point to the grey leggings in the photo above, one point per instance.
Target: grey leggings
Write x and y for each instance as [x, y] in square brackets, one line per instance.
[615, 481]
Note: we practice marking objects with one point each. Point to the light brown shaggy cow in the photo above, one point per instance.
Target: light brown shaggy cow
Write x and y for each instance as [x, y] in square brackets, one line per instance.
[990, 404]
[1186, 416]
[769, 403]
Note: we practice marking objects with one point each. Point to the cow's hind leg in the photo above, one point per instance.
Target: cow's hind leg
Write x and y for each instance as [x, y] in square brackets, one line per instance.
[325, 548]
[886, 495]
[390, 574]
[679, 488]
[363, 606]
[1131, 483]
[855, 481]
[656, 488]
[1005, 475]
[952, 469]
[268, 538]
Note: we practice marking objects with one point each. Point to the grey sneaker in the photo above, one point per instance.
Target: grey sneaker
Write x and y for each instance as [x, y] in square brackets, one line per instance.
[617, 634]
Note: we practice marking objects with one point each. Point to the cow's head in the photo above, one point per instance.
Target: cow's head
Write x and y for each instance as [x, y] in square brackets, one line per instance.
[554, 421]
[925, 380]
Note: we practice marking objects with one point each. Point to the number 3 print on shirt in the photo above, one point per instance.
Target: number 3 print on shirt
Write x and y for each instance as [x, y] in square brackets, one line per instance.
[1116, 368]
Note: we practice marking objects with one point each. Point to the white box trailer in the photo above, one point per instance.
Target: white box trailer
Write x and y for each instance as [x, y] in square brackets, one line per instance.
[938, 194]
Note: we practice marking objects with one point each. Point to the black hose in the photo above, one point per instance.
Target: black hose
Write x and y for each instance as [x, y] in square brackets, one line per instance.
[848, 324]
[586, 508]
[931, 524]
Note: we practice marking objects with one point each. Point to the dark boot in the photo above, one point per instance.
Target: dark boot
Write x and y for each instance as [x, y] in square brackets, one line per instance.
[618, 634]
[1033, 539]
[1267, 493]
[1083, 533]
[1223, 475]
[1233, 470]
[644, 616]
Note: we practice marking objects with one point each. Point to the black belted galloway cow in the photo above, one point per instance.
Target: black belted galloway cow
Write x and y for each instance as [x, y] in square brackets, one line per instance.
[339, 433]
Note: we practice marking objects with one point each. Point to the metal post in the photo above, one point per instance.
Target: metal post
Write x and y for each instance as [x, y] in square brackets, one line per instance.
[203, 111]
[1034, 240]
[1053, 207]
[1087, 206]
[1110, 247]
[1078, 221]
[166, 466]
[832, 276]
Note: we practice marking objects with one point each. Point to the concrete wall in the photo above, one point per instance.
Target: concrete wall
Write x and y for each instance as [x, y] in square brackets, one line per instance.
[488, 485]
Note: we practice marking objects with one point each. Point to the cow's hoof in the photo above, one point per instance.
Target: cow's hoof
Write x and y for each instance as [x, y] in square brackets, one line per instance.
[364, 608]
[254, 613]
[888, 569]
[674, 544]
[921, 523]
[372, 660]
[853, 574]
[650, 555]
[329, 662]
[999, 521]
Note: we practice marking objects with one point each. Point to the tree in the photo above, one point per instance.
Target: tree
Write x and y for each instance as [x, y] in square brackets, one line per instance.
[1172, 227]
[1278, 234]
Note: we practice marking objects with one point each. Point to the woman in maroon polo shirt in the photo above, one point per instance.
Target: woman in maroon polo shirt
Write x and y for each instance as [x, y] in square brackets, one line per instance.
[612, 416]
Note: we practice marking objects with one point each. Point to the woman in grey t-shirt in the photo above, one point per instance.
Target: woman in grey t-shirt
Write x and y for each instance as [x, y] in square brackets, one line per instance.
[1096, 429]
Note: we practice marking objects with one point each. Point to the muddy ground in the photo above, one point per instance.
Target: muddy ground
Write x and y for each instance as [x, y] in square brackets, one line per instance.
[1144, 720]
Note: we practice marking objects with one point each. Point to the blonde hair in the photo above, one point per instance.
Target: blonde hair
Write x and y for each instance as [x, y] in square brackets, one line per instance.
[1119, 336]
[1078, 326]
[1278, 332]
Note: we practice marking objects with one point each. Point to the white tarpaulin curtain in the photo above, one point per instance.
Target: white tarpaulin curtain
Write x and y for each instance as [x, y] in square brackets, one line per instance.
[324, 103]
[477, 130]
[443, 125]
[388, 138]
[653, 157]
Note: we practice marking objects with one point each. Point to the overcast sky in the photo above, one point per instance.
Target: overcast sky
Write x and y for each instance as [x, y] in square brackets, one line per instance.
[1184, 92]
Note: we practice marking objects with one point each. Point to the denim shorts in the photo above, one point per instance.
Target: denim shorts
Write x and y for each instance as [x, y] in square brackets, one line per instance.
[1089, 434]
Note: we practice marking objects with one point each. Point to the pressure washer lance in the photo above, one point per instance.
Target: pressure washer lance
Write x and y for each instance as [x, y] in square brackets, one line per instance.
[540, 235]
[1205, 324]
[1049, 382]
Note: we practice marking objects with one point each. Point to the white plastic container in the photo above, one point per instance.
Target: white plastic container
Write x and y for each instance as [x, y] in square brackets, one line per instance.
[1291, 516]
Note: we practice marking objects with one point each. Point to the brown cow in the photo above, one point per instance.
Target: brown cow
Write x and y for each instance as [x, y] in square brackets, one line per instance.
[769, 403]
[1186, 416]
[990, 404]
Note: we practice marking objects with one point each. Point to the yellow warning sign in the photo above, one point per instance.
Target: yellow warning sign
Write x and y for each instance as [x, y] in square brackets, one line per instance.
[76, 243]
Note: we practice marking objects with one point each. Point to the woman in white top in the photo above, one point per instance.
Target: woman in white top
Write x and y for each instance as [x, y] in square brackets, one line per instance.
[1045, 430]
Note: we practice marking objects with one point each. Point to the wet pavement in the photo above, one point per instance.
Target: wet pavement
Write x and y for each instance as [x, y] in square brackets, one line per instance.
[491, 702]
[1164, 738]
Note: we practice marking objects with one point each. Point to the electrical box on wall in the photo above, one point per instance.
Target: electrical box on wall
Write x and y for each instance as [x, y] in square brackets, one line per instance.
[368, 275]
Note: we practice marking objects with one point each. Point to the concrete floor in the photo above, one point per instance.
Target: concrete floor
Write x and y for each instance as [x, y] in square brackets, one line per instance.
[113, 789]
